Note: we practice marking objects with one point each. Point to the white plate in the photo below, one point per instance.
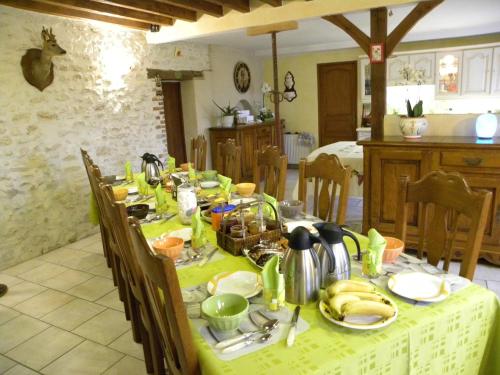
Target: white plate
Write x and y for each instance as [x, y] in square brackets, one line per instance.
[184, 233]
[242, 200]
[244, 283]
[419, 286]
[209, 184]
[367, 322]
[120, 177]
[291, 225]
[133, 190]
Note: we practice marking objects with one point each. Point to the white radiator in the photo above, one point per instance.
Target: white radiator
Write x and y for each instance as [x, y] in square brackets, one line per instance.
[293, 149]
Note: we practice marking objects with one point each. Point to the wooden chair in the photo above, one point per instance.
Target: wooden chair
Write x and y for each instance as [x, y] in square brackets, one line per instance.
[140, 310]
[274, 168]
[444, 200]
[327, 171]
[165, 298]
[199, 153]
[228, 160]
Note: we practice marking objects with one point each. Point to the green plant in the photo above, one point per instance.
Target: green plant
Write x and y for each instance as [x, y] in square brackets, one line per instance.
[416, 111]
[226, 111]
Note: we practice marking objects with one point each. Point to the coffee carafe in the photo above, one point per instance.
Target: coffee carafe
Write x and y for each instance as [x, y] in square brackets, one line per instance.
[150, 166]
[301, 266]
[334, 235]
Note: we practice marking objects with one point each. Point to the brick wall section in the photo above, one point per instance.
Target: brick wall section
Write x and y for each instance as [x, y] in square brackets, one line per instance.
[159, 111]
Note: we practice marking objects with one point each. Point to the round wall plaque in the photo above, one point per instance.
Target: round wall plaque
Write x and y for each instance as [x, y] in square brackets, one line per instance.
[241, 77]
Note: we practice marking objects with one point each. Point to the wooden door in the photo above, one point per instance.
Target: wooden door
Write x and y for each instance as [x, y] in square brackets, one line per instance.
[337, 102]
[174, 124]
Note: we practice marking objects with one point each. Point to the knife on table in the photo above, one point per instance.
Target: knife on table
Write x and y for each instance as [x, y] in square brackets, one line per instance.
[207, 257]
[293, 325]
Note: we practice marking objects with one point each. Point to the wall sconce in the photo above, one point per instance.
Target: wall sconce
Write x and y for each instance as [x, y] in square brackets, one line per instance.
[154, 28]
[486, 125]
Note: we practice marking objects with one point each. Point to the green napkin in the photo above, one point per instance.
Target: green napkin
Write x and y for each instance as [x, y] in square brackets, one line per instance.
[268, 211]
[225, 184]
[372, 258]
[93, 210]
[274, 284]
[171, 164]
[142, 186]
[161, 200]
[129, 175]
[199, 237]
[191, 172]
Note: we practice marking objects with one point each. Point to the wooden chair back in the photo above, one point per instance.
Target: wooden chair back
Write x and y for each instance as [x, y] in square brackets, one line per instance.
[165, 298]
[443, 200]
[228, 160]
[327, 172]
[273, 166]
[199, 153]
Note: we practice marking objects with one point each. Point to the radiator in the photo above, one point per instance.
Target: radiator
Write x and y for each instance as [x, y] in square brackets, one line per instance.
[293, 150]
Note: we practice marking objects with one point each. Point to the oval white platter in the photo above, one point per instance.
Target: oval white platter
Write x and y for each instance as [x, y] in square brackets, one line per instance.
[184, 233]
[419, 286]
[209, 184]
[244, 283]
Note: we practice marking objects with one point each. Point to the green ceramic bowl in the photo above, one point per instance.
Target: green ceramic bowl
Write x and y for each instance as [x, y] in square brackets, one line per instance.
[210, 174]
[225, 312]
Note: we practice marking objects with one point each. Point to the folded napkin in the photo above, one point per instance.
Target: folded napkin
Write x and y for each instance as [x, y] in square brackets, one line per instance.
[161, 200]
[129, 175]
[225, 185]
[199, 237]
[274, 284]
[142, 186]
[93, 210]
[268, 211]
[171, 164]
[191, 172]
[372, 258]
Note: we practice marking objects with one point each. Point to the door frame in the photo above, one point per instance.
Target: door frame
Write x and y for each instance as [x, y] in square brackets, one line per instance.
[182, 130]
[356, 104]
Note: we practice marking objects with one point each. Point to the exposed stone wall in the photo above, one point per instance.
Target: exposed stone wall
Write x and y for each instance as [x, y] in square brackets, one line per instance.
[100, 100]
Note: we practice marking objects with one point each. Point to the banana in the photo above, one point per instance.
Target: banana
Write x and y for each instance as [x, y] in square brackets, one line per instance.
[368, 308]
[340, 300]
[349, 286]
[365, 296]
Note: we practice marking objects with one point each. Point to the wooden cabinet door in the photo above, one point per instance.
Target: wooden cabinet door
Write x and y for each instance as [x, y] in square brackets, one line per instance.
[221, 136]
[264, 137]
[394, 67]
[448, 73]
[248, 144]
[495, 72]
[476, 71]
[386, 168]
[425, 63]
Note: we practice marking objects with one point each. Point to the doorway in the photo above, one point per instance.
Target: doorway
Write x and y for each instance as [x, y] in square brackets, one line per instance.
[174, 124]
[337, 102]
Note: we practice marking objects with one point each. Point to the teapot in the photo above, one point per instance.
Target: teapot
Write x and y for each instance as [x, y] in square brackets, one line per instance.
[150, 166]
[302, 268]
[333, 234]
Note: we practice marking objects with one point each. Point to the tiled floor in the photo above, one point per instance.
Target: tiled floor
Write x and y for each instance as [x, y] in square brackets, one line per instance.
[62, 314]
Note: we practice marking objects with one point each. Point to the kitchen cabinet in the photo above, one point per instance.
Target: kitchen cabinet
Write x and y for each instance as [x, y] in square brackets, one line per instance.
[388, 159]
[448, 77]
[394, 67]
[495, 72]
[425, 63]
[476, 72]
[365, 80]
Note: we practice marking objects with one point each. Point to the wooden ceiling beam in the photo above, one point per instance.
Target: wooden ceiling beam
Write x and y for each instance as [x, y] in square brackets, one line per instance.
[112, 10]
[201, 6]
[274, 3]
[417, 13]
[239, 5]
[175, 75]
[73, 13]
[352, 30]
[155, 7]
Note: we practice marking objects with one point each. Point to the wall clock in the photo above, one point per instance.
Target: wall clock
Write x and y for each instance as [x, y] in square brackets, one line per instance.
[241, 76]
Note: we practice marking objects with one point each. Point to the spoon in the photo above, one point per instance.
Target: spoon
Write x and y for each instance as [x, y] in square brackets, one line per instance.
[266, 328]
[260, 339]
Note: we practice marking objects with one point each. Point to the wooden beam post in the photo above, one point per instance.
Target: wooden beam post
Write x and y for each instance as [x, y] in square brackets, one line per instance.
[378, 32]
[278, 132]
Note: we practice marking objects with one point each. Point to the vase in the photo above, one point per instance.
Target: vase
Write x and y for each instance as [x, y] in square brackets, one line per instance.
[227, 121]
[413, 127]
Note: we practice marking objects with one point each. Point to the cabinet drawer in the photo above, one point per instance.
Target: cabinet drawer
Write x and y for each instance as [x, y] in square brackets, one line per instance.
[478, 159]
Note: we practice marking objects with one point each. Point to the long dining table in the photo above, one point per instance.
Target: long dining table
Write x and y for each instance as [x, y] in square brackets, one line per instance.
[460, 335]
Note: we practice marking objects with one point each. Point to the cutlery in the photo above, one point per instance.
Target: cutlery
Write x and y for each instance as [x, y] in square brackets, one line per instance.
[241, 345]
[207, 257]
[411, 259]
[266, 328]
[293, 324]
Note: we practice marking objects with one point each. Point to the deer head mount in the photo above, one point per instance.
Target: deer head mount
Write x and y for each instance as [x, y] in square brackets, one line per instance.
[37, 63]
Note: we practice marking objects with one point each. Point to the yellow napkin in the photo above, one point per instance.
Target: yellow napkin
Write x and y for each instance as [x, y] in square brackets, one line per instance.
[129, 175]
[372, 258]
[274, 284]
[171, 164]
[225, 185]
[267, 210]
[199, 238]
[161, 200]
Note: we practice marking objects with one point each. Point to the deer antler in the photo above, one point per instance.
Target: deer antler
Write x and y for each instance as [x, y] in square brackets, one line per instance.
[51, 34]
[45, 33]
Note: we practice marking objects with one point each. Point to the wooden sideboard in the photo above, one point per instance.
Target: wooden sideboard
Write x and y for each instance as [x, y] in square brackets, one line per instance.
[249, 137]
[388, 159]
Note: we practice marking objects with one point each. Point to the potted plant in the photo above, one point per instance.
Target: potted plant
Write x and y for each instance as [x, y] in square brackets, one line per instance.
[414, 124]
[228, 114]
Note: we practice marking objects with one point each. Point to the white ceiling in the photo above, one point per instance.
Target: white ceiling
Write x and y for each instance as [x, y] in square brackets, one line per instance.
[452, 18]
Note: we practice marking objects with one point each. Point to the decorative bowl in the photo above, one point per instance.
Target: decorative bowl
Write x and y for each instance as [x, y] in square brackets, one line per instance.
[225, 312]
[393, 249]
[120, 194]
[290, 209]
[210, 174]
[139, 211]
[169, 246]
[185, 167]
[245, 189]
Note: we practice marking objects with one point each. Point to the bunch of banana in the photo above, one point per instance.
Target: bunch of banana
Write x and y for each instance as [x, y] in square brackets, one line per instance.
[352, 298]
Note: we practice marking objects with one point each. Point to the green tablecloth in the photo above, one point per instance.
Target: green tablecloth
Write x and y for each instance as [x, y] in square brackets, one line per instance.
[460, 335]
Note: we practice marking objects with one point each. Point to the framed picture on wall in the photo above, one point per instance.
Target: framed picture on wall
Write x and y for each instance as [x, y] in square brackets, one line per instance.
[377, 53]
[241, 76]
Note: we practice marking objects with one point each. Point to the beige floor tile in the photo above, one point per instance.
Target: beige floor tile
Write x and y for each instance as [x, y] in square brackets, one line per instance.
[485, 271]
[104, 327]
[87, 358]
[44, 348]
[17, 330]
[101, 270]
[67, 280]
[60, 255]
[9, 280]
[43, 303]
[112, 300]
[84, 261]
[480, 282]
[21, 292]
[126, 344]
[20, 370]
[23, 267]
[73, 314]
[7, 314]
[93, 288]
[5, 364]
[43, 272]
[127, 365]
[95, 248]
[494, 286]
[86, 241]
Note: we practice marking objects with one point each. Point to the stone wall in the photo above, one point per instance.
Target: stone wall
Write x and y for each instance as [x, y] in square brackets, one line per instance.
[100, 100]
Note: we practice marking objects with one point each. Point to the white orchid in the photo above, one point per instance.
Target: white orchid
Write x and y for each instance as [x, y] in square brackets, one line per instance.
[265, 88]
